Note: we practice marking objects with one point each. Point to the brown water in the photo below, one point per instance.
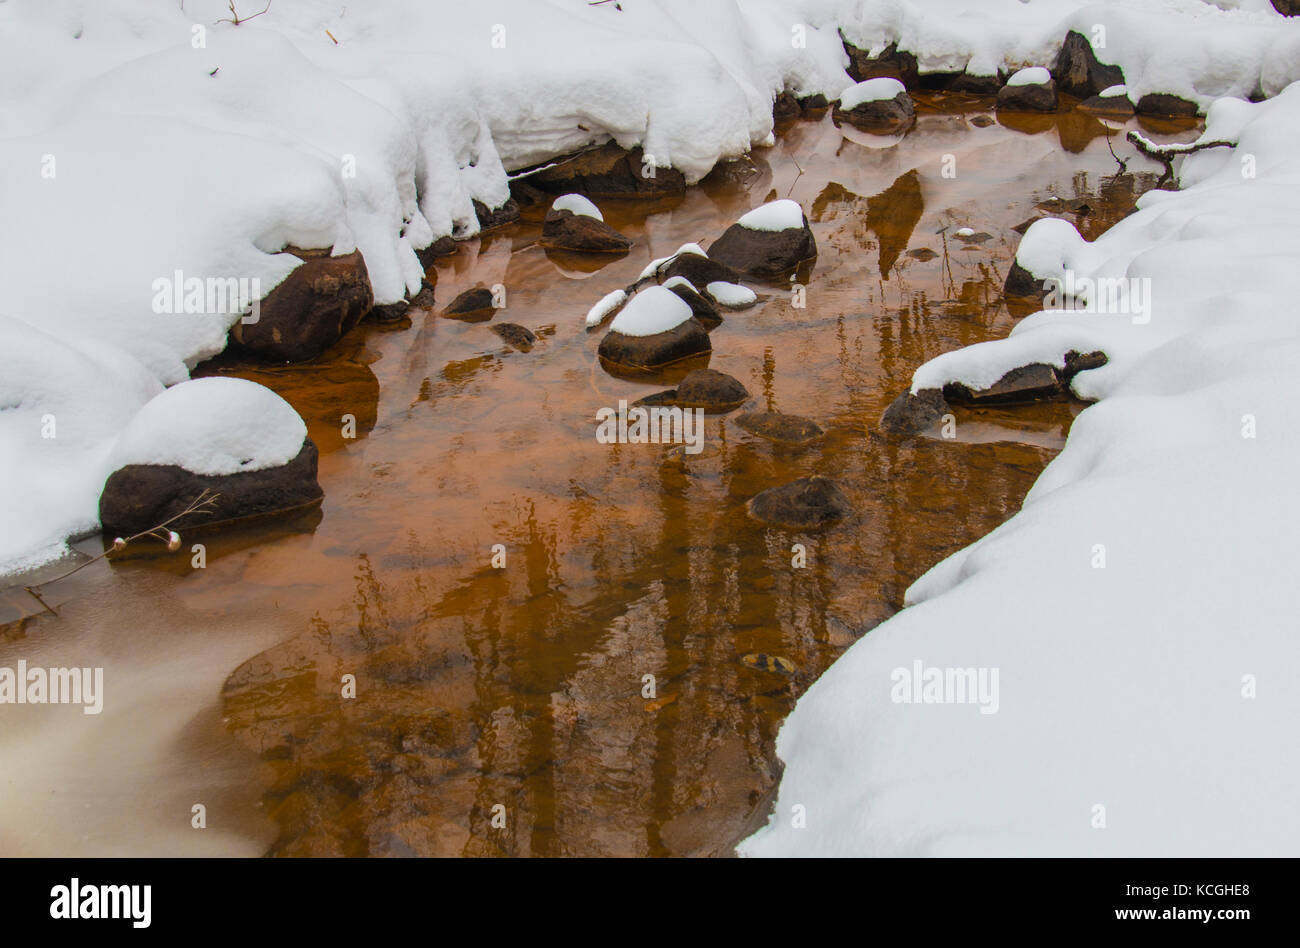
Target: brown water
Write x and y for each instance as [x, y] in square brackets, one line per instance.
[504, 710]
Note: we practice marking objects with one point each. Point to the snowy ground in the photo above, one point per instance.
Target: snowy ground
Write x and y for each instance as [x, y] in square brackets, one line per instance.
[1139, 611]
[141, 139]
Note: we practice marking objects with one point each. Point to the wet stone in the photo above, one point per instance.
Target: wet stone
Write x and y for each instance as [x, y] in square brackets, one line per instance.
[776, 426]
[473, 306]
[1028, 383]
[911, 413]
[805, 504]
[515, 335]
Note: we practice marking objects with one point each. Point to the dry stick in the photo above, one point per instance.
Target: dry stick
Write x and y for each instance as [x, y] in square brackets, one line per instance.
[237, 20]
[205, 499]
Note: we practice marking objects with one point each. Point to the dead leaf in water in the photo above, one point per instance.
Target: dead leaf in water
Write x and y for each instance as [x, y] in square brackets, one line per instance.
[765, 662]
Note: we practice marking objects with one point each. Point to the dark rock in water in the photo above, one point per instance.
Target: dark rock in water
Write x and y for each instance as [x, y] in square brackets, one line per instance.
[423, 299]
[775, 426]
[805, 504]
[515, 335]
[1022, 283]
[1030, 97]
[389, 312]
[442, 247]
[764, 253]
[811, 104]
[687, 340]
[565, 230]
[885, 116]
[311, 310]
[474, 306]
[1028, 383]
[982, 121]
[978, 238]
[701, 307]
[715, 392]
[699, 271]
[891, 63]
[1167, 106]
[910, 413]
[1287, 7]
[140, 496]
[1079, 73]
[1117, 105]
[609, 171]
[1076, 362]
[785, 108]
[492, 218]
[665, 399]
[975, 85]
[922, 253]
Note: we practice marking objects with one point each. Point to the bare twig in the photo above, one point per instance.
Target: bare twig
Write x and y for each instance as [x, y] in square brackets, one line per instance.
[244, 19]
[200, 505]
[1165, 154]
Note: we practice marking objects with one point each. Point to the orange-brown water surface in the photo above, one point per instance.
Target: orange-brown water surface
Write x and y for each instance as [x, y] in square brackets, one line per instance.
[548, 634]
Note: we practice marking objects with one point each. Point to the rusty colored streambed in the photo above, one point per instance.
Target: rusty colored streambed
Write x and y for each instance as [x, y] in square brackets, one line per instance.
[502, 711]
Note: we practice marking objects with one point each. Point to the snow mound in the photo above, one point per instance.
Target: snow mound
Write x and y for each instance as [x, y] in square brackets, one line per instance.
[608, 303]
[774, 216]
[577, 204]
[212, 426]
[1113, 92]
[731, 294]
[1033, 76]
[680, 281]
[873, 90]
[650, 312]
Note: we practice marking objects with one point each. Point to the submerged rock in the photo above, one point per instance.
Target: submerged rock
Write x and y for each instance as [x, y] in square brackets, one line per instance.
[1111, 101]
[474, 306]
[877, 105]
[655, 329]
[515, 335]
[776, 426]
[311, 310]
[701, 308]
[1078, 71]
[1028, 383]
[805, 504]
[493, 218]
[610, 171]
[910, 413]
[975, 84]
[574, 224]
[769, 241]
[1029, 90]
[1163, 105]
[140, 496]
[715, 392]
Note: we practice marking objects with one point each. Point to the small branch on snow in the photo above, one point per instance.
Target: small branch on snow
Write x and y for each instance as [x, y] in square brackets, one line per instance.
[244, 19]
[1165, 154]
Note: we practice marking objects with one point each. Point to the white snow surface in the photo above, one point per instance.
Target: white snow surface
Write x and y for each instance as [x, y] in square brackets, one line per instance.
[1140, 608]
[606, 305]
[1113, 92]
[653, 310]
[873, 90]
[658, 262]
[142, 139]
[774, 216]
[731, 294]
[577, 204]
[1032, 76]
[212, 426]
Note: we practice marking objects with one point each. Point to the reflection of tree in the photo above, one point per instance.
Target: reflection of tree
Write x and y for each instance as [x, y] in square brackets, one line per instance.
[890, 216]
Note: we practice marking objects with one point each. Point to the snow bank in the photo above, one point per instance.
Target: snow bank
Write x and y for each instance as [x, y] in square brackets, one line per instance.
[873, 90]
[1139, 610]
[577, 204]
[212, 426]
[653, 310]
[773, 216]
